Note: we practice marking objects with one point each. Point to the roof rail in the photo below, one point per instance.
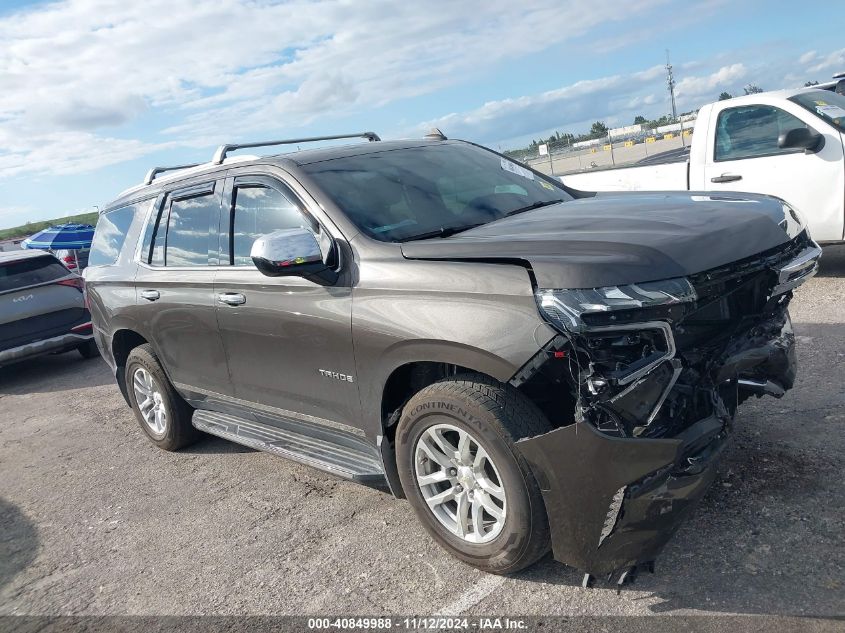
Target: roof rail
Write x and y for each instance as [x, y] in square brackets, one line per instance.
[220, 154]
[155, 171]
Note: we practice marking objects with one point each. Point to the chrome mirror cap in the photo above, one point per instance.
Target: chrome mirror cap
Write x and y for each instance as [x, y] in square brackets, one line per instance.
[292, 252]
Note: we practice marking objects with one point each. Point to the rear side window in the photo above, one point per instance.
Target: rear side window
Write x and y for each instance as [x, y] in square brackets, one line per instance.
[260, 210]
[182, 233]
[30, 272]
[188, 231]
[110, 236]
[750, 131]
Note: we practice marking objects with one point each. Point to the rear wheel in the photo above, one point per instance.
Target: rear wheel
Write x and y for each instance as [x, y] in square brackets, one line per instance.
[162, 413]
[89, 349]
[466, 480]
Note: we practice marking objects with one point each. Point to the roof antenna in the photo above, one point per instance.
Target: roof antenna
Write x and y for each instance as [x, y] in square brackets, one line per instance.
[434, 134]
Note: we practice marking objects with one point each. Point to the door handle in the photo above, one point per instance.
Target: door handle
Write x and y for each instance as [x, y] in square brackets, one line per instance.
[726, 178]
[231, 298]
[150, 295]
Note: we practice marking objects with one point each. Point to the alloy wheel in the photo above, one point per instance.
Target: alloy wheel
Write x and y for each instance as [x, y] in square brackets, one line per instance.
[150, 401]
[460, 483]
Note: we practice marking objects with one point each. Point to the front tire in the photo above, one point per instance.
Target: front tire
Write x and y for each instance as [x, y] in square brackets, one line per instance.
[464, 477]
[162, 413]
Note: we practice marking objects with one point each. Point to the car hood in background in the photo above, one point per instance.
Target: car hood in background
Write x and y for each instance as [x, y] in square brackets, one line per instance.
[614, 239]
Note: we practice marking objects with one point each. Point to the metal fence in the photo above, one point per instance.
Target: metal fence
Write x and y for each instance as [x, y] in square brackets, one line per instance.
[563, 158]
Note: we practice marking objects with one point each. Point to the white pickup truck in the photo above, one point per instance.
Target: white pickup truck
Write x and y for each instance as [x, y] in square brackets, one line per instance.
[787, 144]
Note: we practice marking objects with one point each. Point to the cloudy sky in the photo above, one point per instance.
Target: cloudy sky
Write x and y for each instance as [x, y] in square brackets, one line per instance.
[93, 92]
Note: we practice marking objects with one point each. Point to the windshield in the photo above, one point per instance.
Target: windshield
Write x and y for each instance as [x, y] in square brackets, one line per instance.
[824, 104]
[430, 191]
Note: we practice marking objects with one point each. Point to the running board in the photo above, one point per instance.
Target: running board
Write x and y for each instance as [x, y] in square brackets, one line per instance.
[335, 452]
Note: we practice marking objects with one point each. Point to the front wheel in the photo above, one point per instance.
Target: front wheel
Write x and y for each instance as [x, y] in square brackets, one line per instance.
[464, 477]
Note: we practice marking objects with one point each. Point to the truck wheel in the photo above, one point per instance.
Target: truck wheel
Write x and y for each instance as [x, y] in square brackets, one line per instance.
[89, 349]
[465, 479]
[161, 412]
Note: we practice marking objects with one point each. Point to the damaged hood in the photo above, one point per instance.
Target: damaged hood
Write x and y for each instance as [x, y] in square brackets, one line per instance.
[615, 239]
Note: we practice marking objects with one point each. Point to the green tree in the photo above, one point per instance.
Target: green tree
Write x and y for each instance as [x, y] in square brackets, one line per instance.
[725, 96]
[753, 89]
[811, 83]
[640, 120]
[598, 129]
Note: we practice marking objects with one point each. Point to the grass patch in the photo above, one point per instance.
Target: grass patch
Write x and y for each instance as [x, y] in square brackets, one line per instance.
[29, 228]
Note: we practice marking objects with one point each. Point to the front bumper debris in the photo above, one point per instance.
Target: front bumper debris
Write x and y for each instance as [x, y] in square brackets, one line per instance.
[613, 503]
[651, 402]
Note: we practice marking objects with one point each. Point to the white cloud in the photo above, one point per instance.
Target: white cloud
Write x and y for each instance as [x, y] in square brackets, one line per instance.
[694, 86]
[576, 103]
[807, 57]
[71, 69]
[834, 62]
[89, 83]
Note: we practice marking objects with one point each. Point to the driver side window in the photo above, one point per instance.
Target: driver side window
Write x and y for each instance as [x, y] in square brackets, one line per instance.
[750, 131]
[259, 210]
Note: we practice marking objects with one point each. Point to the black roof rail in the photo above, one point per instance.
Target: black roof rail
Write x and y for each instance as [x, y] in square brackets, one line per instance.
[220, 154]
[155, 171]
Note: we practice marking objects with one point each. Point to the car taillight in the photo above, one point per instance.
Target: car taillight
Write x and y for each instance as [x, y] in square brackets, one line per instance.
[85, 328]
[73, 282]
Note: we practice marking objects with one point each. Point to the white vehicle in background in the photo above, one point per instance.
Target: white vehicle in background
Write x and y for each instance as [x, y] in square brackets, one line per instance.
[787, 144]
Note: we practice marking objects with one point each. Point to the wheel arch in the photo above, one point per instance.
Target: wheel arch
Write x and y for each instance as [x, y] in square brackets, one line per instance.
[123, 341]
[404, 379]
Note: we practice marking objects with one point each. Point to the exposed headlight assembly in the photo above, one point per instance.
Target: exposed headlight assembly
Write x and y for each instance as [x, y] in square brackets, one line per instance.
[566, 308]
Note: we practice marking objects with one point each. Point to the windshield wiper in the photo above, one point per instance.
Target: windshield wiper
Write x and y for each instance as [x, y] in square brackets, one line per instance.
[530, 207]
[443, 231]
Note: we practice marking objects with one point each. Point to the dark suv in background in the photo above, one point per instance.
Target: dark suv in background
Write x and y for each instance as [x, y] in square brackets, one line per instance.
[532, 367]
[42, 308]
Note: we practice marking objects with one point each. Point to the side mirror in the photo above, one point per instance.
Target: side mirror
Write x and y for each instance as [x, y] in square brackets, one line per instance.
[801, 138]
[293, 253]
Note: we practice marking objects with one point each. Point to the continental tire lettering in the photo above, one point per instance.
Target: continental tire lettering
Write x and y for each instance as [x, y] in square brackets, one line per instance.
[448, 406]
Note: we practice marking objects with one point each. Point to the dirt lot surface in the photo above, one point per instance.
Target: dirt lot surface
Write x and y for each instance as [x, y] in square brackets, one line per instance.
[95, 520]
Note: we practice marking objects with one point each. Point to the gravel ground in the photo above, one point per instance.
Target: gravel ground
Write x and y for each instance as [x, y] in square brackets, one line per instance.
[95, 520]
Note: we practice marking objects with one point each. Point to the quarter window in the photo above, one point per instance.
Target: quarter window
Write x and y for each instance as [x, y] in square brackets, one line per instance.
[746, 132]
[110, 236]
[257, 211]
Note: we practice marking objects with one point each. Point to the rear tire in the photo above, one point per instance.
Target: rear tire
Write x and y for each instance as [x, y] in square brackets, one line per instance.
[162, 413]
[494, 518]
[89, 349]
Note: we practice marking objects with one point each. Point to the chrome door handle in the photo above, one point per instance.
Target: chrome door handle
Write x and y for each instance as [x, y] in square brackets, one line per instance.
[231, 298]
[726, 178]
[150, 295]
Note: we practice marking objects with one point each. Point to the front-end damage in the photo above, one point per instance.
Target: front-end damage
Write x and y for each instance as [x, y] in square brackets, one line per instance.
[643, 382]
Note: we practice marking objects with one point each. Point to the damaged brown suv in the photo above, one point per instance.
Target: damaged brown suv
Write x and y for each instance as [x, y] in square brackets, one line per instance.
[532, 367]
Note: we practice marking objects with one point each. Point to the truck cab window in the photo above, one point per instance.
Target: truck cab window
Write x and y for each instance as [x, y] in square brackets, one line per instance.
[750, 131]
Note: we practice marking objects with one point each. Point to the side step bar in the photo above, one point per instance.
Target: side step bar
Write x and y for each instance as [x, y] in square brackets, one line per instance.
[338, 453]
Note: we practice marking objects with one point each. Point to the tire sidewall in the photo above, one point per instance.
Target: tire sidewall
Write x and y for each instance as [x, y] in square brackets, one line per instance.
[167, 399]
[507, 548]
